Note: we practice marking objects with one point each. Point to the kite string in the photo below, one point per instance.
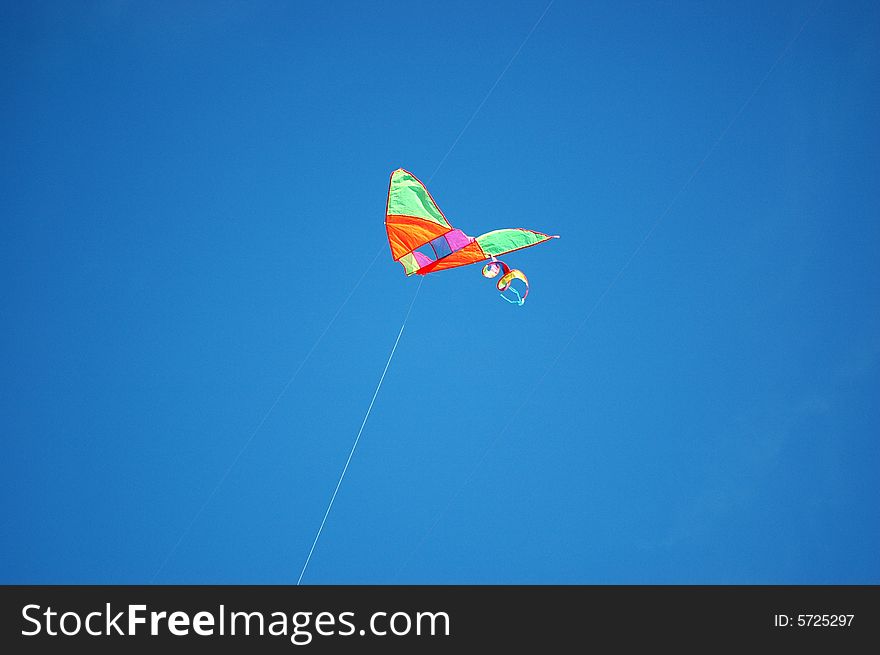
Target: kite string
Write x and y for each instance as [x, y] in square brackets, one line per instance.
[360, 432]
[388, 363]
[431, 177]
[254, 432]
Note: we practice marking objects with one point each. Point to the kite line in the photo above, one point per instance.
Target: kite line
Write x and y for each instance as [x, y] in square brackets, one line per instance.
[360, 432]
[253, 434]
[400, 333]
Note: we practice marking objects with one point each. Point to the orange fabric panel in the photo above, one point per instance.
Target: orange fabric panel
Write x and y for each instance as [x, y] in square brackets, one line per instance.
[406, 233]
[470, 254]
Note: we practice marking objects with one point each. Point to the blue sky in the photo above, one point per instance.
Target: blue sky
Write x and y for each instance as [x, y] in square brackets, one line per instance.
[190, 191]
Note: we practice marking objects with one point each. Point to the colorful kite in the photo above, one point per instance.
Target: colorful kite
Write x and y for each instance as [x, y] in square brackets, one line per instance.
[423, 241]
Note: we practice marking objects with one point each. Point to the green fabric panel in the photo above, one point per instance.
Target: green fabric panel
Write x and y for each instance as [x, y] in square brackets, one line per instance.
[408, 197]
[410, 265]
[502, 241]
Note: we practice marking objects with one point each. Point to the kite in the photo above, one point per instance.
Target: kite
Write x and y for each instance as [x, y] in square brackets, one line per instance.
[423, 241]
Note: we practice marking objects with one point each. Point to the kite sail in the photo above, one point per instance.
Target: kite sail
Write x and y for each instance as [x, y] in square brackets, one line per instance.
[423, 241]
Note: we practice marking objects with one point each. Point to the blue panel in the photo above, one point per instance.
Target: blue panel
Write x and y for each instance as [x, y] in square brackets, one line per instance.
[427, 251]
[441, 247]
